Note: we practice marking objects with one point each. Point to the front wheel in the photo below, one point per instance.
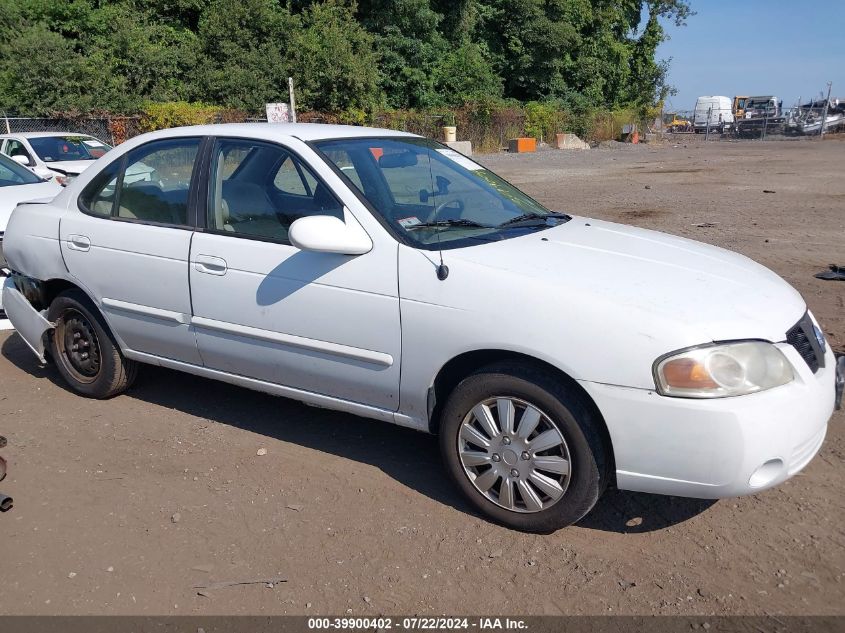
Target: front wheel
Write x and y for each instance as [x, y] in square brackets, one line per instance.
[524, 447]
[85, 353]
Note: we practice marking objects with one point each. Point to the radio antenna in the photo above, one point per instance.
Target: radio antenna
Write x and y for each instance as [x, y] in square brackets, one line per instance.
[442, 269]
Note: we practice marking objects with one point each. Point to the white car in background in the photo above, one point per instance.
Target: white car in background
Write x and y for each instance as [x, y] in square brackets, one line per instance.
[59, 155]
[386, 275]
[51, 154]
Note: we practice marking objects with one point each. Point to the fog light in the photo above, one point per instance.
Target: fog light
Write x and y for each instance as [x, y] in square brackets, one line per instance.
[766, 473]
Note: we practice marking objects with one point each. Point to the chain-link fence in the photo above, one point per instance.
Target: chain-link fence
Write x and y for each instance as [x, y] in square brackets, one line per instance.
[112, 130]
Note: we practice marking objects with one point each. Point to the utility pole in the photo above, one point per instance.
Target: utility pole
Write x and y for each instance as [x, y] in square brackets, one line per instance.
[824, 112]
[292, 101]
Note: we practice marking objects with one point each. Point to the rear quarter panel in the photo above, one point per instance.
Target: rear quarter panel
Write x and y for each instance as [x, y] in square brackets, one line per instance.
[31, 243]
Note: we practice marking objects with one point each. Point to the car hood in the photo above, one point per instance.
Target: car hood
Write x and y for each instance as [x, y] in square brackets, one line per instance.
[11, 196]
[71, 167]
[665, 284]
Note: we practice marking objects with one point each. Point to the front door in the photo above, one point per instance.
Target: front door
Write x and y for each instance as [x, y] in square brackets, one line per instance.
[131, 244]
[319, 322]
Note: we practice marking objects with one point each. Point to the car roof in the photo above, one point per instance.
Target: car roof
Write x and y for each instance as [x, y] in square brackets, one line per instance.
[280, 131]
[43, 134]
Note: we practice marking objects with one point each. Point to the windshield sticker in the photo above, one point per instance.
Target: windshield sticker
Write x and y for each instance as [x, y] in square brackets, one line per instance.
[408, 222]
[93, 143]
[462, 160]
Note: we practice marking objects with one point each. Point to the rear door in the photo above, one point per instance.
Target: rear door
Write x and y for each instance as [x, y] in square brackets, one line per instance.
[129, 247]
[319, 322]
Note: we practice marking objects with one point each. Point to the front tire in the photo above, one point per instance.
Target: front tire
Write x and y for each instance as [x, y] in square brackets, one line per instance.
[83, 349]
[524, 447]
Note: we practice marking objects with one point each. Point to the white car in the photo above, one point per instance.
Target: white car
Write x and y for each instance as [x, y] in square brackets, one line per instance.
[51, 154]
[61, 155]
[17, 185]
[383, 274]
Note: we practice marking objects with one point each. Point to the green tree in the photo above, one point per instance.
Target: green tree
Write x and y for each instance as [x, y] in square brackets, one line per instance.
[47, 74]
[333, 60]
[119, 54]
[529, 46]
[242, 46]
[465, 75]
[409, 46]
[138, 58]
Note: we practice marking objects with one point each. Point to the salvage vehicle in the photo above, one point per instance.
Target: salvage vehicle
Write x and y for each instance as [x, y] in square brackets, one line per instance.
[676, 124]
[738, 107]
[60, 156]
[383, 274]
[712, 113]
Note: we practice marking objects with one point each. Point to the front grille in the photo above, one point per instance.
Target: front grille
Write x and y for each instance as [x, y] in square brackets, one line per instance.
[803, 338]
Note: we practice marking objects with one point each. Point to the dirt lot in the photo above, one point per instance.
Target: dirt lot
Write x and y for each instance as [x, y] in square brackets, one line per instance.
[123, 506]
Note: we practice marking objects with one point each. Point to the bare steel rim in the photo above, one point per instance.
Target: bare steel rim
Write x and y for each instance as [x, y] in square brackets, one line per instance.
[79, 349]
[514, 454]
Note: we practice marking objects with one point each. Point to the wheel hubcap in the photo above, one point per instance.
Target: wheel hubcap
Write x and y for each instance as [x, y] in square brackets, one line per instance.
[514, 454]
[79, 348]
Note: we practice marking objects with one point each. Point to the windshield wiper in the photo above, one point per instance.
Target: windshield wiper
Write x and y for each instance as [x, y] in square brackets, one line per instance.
[533, 219]
[448, 223]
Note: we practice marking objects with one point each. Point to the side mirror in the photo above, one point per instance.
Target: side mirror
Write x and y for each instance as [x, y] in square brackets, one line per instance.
[21, 159]
[328, 234]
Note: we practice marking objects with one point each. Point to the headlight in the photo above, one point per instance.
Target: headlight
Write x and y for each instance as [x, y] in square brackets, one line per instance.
[722, 370]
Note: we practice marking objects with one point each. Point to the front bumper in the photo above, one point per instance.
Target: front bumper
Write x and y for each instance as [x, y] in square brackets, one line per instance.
[718, 448]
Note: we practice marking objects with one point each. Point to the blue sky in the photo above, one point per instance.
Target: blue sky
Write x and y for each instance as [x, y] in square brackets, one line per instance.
[789, 48]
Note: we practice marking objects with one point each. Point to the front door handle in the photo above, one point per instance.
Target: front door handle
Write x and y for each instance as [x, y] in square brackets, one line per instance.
[78, 243]
[210, 265]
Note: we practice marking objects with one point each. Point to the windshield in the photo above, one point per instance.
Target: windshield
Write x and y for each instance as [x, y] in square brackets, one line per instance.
[11, 173]
[432, 196]
[51, 149]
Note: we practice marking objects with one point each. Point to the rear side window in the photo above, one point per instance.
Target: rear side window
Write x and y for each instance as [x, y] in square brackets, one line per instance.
[150, 184]
[156, 182]
[99, 196]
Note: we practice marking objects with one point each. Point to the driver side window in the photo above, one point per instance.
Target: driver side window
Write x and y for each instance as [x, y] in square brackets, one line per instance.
[259, 189]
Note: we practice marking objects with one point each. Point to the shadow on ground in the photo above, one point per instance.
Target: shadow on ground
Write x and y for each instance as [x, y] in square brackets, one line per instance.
[409, 457]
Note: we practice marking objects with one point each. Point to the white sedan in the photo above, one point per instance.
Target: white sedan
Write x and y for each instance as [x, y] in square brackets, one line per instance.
[61, 156]
[383, 274]
[51, 154]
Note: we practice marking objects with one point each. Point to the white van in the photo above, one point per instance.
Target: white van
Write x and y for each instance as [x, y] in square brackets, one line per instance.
[719, 108]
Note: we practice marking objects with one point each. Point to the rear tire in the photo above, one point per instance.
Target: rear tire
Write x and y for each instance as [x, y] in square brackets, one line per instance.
[84, 350]
[513, 480]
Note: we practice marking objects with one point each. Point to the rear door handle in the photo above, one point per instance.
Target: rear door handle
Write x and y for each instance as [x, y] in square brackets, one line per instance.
[210, 265]
[78, 243]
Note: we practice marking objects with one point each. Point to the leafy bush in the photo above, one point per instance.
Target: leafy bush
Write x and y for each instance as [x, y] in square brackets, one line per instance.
[158, 116]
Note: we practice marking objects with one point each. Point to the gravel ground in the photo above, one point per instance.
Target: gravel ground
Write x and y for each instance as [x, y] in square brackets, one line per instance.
[122, 507]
